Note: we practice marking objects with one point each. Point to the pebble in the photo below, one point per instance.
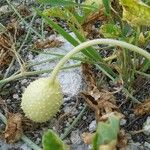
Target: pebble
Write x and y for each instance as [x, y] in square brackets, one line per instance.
[24, 81]
[123, 122]
[15, 96]
[92, 126]
[75, 137]
[8, 100]
[38, 140]
[146, 126]
[133, 146]
[131, 115]
[69, 109]
[84, 118]
[70, 119]
[80, 147]
[147, 145]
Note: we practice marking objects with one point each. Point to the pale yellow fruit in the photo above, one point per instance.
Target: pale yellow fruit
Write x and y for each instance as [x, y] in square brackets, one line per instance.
[42, 99]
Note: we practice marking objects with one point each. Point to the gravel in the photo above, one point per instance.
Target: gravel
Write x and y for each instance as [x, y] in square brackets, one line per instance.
[75, 137]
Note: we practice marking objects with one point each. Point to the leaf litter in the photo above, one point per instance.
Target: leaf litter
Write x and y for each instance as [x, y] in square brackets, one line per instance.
[103, 103]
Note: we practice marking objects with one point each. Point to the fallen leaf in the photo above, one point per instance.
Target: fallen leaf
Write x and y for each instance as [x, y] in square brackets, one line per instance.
[143, 108]
[13, 131]
[91, 20]
[13, 28]
[101, 101]
[24, 10]
[5, 52]
[87, 137]
[47, 43]
[122, 139]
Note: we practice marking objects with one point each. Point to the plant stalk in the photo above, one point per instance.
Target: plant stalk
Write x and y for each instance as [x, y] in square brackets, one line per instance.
[95, 42]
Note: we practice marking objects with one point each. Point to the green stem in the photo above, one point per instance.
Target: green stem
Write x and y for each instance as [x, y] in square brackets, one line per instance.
[68, 130]
[95, 42]
[31, 73]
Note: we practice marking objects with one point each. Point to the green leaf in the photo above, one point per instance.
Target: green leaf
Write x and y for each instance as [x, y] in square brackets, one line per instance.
[64, 14]
[51, 141]
[58, 2]
[96, 3]
[106, 4]
[135, 12]
[110, 31]
[106, 133]
[67, 3]
[91, 54]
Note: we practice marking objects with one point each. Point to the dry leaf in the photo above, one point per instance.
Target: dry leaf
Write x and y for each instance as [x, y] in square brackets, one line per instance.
[87, 137]
[143, 108]
[13, 131]
[100, 101]
[14, 29]
[5, 52]
[110, 146]
[24, 10]
[122, 139]
[91, 20]
[47, 43]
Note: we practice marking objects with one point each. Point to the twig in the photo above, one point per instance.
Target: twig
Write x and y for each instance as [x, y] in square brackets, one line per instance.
[24, 138]
[27, 35]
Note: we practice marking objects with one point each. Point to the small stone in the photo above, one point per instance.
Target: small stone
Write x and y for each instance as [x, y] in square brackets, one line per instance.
[123, 122]
[68, 109]
[84, 118]
[8, 100]
[45, 32]
[67, 124]
[25, 147]
[69, 119]
[131, 115]
[147, 145]
[80, 107]
[15, 96]
[38, 140]
[75, 137]
[92, 126]
[24, 81]
[133, 146]
[146, 126]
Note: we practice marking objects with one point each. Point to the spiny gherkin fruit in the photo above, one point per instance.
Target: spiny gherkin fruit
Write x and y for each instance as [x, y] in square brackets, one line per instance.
[42, 99]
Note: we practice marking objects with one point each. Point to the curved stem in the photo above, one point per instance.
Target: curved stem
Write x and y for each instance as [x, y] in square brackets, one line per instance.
[95, 42]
